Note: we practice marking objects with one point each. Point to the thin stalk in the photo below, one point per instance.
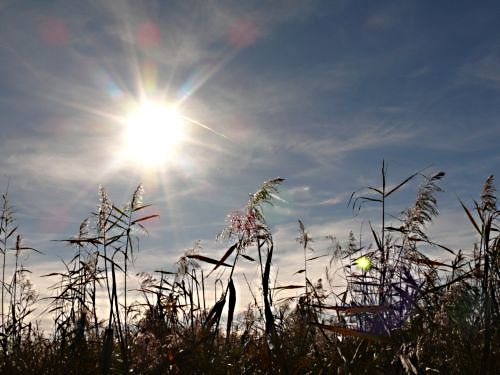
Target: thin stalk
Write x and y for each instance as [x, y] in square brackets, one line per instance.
[3, 274]
[197, 290]
[203, 290]
[127, 244]
[382, 241]
[93, 297]
[125, 318]
[191, 312]
[485, 239]
[305, 269]
[3, 229]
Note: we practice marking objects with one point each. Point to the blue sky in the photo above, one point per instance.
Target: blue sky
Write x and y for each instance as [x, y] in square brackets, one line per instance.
[317, 92]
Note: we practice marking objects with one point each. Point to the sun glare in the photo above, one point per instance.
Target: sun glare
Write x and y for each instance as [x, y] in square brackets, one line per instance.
[153, 131]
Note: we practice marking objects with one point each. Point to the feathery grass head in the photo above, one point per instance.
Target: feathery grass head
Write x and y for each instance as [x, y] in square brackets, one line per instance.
[488, 195]
[247, 224]
[425, 206]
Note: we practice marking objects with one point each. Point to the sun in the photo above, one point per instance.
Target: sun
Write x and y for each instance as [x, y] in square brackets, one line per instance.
[153, 131]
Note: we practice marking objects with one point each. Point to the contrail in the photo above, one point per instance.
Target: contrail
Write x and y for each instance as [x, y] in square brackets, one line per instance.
[204, 127]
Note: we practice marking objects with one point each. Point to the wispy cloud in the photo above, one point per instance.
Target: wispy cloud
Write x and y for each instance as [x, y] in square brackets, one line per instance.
[484, 71]
[333, 148]
[385, 18]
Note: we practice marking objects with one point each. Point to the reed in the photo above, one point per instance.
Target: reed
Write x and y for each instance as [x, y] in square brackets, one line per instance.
[400, 311]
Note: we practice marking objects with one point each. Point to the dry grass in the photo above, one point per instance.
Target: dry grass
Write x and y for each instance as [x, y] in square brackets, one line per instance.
[401, 312]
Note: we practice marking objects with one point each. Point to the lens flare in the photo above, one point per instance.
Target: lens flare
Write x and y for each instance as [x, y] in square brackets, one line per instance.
[54, 32]
[363, 263]
[148, 34]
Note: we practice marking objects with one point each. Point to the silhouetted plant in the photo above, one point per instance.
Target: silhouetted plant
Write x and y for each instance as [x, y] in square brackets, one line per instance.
[399, 311]
[17, 293]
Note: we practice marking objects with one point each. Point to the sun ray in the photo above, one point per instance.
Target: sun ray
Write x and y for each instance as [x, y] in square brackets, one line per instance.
[209, 73]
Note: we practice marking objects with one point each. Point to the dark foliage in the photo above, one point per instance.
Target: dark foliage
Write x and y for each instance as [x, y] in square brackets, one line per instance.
[400, 312]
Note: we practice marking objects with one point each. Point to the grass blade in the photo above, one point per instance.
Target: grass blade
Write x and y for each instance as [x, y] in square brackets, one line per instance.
[206, 259]
[231, 307]
[224, 257]
[471, 218]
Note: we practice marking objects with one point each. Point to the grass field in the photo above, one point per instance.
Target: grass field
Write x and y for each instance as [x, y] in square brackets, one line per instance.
[400, 312]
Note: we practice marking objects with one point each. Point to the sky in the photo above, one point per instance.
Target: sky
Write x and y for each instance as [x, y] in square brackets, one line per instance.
[316, 92]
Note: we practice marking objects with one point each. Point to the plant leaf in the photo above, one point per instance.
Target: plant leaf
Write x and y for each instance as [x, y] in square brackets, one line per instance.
[377, 240]
[401, 184]
[317, 257]
[215, 313]
[206, 259]
[231, 306]
[224, 257]
[471, 218]
[145, 218]
[248, 257]
[288, 287]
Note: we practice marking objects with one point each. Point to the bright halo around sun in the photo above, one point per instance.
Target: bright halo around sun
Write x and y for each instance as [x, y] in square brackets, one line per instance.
[153, 131]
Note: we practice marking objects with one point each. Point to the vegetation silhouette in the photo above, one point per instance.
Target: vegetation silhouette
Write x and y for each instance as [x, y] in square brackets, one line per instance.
[399, 312]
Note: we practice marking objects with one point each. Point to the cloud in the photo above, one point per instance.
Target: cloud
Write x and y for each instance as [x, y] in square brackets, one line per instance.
[339, 198]
[275, 92]
[485, 71]
[452, 229]
[333, 148]
[384, 19]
